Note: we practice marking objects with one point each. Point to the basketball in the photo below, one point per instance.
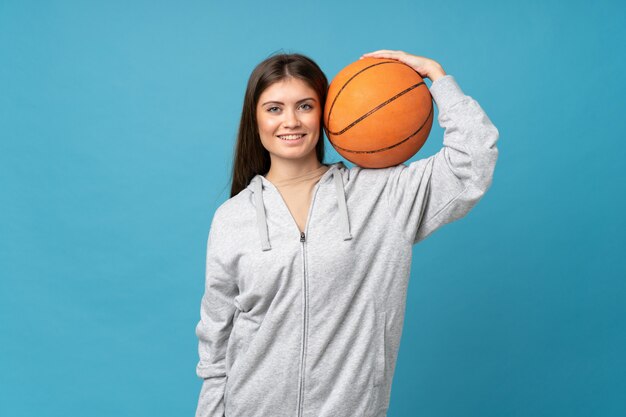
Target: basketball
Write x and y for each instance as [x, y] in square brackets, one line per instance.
[378, 112]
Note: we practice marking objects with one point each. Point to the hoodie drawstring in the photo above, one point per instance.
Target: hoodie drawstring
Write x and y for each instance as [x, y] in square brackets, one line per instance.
[343, 207]
[261, 219]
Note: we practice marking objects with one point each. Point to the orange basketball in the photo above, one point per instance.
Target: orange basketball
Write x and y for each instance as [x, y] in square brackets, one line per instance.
[378, 112]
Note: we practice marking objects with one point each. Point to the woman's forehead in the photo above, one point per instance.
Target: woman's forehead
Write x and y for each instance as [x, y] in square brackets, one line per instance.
[289, 90]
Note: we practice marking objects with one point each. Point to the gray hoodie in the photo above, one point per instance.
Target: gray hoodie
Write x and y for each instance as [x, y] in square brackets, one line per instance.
[309, 325]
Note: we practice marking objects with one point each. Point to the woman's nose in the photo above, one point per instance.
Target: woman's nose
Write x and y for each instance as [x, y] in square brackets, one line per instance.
[291, 119]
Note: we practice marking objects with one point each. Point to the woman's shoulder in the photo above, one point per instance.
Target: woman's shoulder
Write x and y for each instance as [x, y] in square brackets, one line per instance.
[235, 205]
[360, 176]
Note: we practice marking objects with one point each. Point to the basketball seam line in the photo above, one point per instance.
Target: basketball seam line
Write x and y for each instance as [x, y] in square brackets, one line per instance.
[381, 105]
[330, 111]
[391, 146]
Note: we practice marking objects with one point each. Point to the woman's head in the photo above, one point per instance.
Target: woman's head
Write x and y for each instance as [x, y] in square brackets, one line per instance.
[285, 94]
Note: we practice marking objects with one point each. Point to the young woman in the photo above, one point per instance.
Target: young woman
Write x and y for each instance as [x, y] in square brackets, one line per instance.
[308, 263]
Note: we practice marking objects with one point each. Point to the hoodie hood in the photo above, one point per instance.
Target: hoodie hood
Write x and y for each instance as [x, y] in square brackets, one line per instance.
[260, 185]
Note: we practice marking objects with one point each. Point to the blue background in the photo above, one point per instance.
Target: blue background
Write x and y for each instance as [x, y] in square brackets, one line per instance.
[117, 126]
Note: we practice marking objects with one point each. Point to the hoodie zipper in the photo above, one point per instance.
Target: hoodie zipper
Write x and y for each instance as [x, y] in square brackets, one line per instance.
[305, 299]
[305, 323]
[305, 289]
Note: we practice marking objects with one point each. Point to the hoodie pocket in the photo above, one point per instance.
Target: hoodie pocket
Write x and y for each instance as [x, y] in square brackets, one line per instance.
[379, 375]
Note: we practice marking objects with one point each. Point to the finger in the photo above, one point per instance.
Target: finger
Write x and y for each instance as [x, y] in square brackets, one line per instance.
[380, 51]
[381, 56]
[389, 51]
[397, 55]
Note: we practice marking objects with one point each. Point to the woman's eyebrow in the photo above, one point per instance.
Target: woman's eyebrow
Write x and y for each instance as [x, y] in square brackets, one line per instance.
[280, 102]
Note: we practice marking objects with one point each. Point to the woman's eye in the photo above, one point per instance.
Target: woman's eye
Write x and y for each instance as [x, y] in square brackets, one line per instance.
[275, 109]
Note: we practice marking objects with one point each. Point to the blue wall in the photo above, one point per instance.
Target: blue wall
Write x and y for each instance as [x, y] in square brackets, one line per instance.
[117, 124]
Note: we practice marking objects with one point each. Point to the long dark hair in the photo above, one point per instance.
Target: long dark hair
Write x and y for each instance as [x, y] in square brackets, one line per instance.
[251, 158]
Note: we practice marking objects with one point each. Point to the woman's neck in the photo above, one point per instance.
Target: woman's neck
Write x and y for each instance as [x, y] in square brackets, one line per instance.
[287, 170]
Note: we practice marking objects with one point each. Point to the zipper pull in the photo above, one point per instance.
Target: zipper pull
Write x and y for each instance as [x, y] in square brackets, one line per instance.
[301, 236]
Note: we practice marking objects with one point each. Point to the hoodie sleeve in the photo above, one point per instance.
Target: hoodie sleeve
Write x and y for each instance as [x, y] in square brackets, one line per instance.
[213, 330]
[434, 191]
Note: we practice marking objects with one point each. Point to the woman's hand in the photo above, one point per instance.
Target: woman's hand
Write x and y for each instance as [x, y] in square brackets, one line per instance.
[426, 67]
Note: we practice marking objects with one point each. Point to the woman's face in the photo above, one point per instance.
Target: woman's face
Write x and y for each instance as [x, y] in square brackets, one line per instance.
[288, 116]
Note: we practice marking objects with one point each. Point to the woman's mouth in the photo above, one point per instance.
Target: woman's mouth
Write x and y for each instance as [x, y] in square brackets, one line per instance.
[292, 138]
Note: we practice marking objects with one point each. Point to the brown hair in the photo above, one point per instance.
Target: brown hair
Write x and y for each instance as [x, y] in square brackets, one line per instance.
[251, 157]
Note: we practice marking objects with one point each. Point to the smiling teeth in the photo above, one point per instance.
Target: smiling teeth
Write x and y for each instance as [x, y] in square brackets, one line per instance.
[291, 137]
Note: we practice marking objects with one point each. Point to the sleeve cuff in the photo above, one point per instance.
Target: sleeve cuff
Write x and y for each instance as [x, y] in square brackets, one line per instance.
[446, 92]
